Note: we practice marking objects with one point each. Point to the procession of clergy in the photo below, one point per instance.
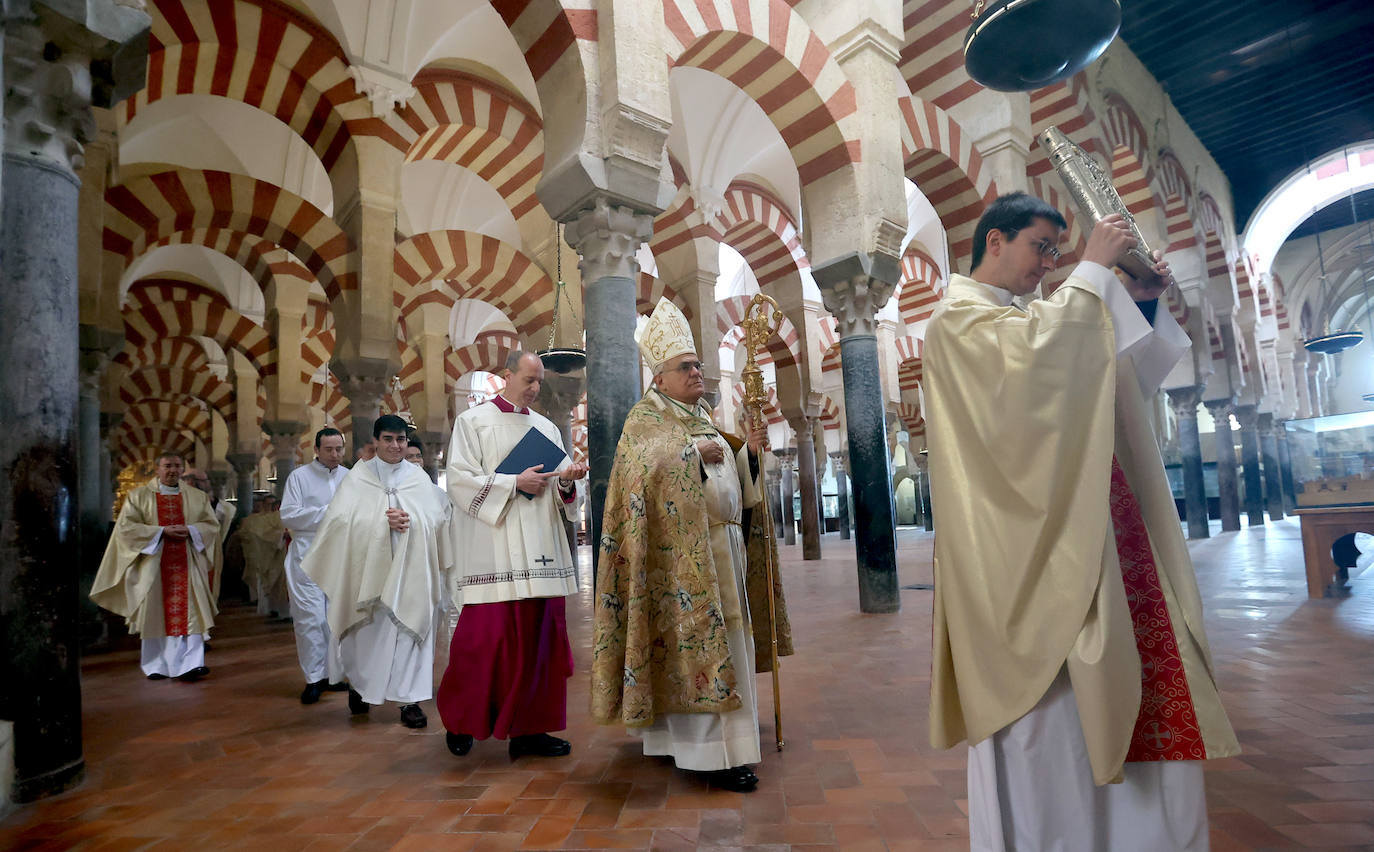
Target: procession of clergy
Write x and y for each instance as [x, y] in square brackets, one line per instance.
[1069, 649]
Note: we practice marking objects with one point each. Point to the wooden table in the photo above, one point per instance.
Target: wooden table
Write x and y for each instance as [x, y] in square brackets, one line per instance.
[1321, 526]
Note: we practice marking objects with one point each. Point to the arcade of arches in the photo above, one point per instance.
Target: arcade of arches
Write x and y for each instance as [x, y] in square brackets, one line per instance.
[229, 223]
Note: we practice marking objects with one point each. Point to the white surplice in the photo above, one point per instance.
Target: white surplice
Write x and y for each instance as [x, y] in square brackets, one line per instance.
[710, 741]
[1030, 785]
[506, 547]
[306, 497]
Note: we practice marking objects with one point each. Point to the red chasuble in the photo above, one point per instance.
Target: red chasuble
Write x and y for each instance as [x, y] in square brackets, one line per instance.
[175, 582]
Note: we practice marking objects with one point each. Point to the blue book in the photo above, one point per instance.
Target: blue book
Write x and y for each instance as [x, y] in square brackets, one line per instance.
[533, 449]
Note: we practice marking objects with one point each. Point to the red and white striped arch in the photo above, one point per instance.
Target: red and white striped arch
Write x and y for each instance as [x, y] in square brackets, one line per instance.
[650, 289]
[830, 415]
[768, 50]
[1178, 306]
[1065, 105]
[829, 334]
[467, 121]
[135, 444]
[260, 54]
[948, 170]
[1075, 240]
[169, 415]
[920, 288]
[1173, 177]
[1178, 224]
[548, 32]
[262, 259]
[177, 384]
[148, 210]
[757, 225]
[784, 347]
[159, 308]
[445, 266]
[487, 352]
[579, 431]
[913, 423]
[772, 412]
[184, 352]
[932, 55]
[328, 397]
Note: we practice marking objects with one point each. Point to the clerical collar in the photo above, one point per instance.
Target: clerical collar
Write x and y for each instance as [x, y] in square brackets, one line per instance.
[325, 470]
[508, 406]
[168, 489]
[692, 410]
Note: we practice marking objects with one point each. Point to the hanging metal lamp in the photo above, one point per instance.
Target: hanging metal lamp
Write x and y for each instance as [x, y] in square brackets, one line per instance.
[1330, 342]
[1022, 45]
[561, 359]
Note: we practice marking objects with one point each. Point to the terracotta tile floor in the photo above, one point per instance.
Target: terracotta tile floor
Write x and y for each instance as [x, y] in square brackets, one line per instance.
[236, 762]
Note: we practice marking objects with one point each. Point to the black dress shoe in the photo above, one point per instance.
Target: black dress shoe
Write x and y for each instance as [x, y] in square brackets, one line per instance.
[313, 691]
[458, 744]
[539, 745]
[356, 705]
[412, 716]
[156, 676]
[194, 674]
[736, 779]
[337, 687]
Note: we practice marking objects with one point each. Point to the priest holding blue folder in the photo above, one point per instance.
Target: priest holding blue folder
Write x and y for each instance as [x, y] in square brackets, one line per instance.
[511, 483]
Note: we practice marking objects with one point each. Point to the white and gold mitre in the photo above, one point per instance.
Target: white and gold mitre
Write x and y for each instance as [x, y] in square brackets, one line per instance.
[666, 335]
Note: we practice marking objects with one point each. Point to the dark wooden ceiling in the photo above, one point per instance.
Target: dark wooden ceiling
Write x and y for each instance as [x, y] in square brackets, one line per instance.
[1267, 85]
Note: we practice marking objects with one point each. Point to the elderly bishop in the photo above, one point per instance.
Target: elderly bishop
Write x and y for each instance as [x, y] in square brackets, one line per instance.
[156, 572]
[673, 643]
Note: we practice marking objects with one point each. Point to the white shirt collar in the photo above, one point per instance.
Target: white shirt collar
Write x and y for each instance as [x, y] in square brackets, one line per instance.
[168, 489]
[1002, 296]
[326, 471]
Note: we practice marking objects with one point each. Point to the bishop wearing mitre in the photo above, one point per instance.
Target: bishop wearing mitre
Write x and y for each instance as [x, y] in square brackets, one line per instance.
[680, 598]
[156, 572]
[1069, 648]
[380, 555]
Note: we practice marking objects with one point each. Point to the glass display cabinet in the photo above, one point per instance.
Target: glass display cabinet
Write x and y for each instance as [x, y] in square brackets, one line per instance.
[1333, 459]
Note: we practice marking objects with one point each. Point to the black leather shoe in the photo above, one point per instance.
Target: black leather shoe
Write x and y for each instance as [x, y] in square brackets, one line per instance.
[356, 705]
[313, 691]
[736, 779]
[194, 674]
[412, 716]
[337, 687]
[458, 744]
[156, 676]
[539, 745]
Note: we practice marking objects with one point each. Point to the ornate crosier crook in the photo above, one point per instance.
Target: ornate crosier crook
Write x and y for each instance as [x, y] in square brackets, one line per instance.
[759, 325]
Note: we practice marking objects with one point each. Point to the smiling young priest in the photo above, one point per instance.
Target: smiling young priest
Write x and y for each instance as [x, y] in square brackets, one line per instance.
[510, 660]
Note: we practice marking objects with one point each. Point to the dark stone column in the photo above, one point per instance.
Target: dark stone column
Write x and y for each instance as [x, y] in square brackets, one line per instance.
[789, 488]
[1228, 488]
[433, 443]
[854, 288]
[363, 382]
[773, 479]
[923, 465]
[1288, 486]
[841, 494]
[1185, 402]
[55, 68]
[818, 434]
[1273, 478]
[810, 489]
[558, 396]
[286, 439]
[108, 422]
[606, 238]
[1248, 417]
[245, 466]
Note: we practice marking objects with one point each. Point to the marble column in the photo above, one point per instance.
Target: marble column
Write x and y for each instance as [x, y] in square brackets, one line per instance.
[1248, 418]
[853, 289]
[606, 239]
[818, 434]
[245, 466]
[219, 480]
[558, 396]
[841, 493]
[56, 66]
[363, 383]
[810, 487]
[1286, 483]
[789, 488]
[1228, 488]
[433, 443]
[923, 480]
[773, 478]
[1185, 402]
[109, 420]
[286, 440]
[1273, 478]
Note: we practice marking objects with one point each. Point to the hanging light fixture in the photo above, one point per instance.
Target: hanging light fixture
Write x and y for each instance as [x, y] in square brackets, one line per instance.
[1021, 45]
[1330, 342]
[565, 359]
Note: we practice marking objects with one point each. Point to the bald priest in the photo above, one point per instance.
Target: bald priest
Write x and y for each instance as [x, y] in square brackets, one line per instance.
[156, 572]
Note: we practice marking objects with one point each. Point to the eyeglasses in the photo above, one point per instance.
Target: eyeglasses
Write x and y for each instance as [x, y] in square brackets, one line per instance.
[688, 366]
[1046, 249]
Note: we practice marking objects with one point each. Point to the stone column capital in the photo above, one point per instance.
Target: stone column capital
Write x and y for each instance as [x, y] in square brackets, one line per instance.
[606, 238]
[243, 463]
[362, 378]
[1247, 416]
[1185, 400]
[279, 430]
[854, 288]
[1220, 408]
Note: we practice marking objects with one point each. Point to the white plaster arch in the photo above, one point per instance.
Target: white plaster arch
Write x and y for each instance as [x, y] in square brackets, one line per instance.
[470, 317]
[217, 133]
[1322, 181]
[439, 196]
[204, 264]
[925, 229]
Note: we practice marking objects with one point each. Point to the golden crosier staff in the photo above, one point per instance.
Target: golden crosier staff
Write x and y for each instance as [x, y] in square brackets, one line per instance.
[759, 325]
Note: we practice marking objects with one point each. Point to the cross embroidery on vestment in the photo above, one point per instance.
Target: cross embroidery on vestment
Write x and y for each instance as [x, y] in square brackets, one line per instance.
[543, 560]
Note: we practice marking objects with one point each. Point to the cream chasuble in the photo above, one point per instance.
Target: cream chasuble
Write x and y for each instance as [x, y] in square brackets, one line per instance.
[506, 547]
[131, 579]
[383, 587]
[264, 543]
[1036, 439]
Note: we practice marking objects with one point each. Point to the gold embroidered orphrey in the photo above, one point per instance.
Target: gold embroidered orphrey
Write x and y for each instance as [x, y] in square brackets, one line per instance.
[759, 324]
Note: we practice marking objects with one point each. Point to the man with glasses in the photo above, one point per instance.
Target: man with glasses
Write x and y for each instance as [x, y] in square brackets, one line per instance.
[1068, 642]
[673, 647]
